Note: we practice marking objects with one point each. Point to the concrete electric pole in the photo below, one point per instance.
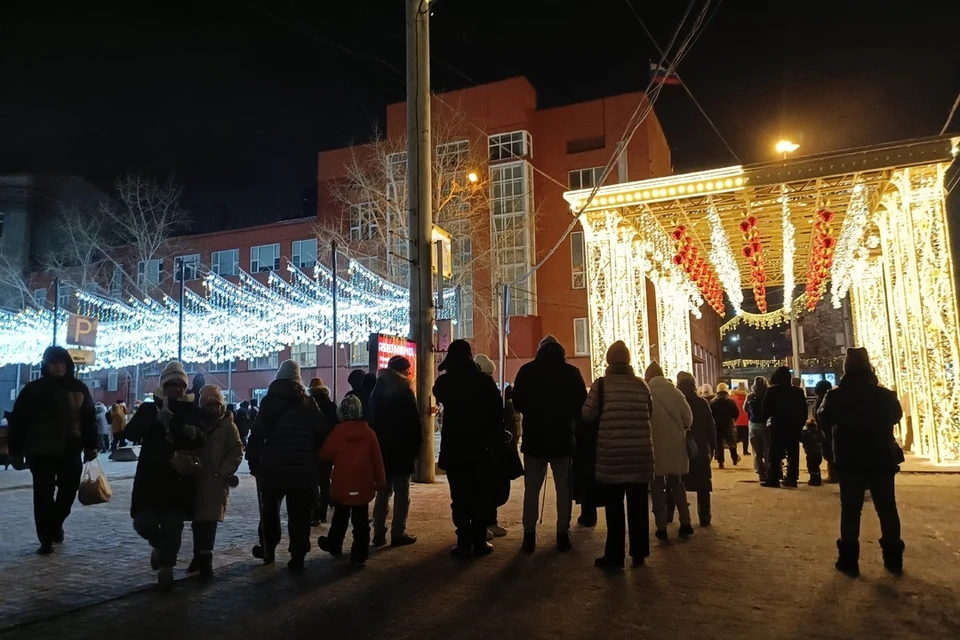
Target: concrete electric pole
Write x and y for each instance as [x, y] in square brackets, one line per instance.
[420, 220]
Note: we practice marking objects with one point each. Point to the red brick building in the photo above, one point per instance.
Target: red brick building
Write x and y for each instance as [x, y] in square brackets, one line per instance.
[527, 158]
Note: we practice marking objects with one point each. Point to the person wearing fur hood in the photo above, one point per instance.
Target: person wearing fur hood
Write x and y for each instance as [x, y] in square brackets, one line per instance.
[672, 418]
[164, 492]
[220, 458]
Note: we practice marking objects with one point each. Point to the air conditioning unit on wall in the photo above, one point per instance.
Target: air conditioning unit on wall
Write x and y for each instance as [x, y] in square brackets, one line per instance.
[94, 383]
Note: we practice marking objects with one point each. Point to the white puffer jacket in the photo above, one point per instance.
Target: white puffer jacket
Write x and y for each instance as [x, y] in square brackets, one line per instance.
[671, 419]
[624, 440]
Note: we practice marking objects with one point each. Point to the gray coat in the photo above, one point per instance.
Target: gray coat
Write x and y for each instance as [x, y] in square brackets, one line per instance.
[220, 457]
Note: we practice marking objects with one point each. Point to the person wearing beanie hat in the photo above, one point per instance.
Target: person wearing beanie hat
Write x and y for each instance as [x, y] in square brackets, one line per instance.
[547, 339]
[703, 432]
[282, 451]
[54, 429]
[472, 433]
[220, 457]
[618, 407]
[785, 410]
[862, 415]
[170, 432]
[671, 420]
[549, 392]
[485, 364]
[725, 414]
[395, 417]
[358, 474]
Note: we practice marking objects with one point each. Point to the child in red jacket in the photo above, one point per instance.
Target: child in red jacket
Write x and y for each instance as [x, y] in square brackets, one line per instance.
[358, 472]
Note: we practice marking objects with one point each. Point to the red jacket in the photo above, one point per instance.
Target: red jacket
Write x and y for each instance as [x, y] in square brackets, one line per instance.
[740, 397]
[353, 449]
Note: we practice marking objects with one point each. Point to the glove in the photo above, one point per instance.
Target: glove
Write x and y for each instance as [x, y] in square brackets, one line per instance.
[90, 455]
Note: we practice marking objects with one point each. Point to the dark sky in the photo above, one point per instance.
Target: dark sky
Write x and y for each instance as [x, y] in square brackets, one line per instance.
[235, 98]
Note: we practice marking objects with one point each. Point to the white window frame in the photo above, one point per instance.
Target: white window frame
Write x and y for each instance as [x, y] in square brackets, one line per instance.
[363, 221]
[305, 354]
[226, 257]
[113, 381]
[360, 354]
[581, 330]
[584, 178]
[35, 373]
[64, 296]
[265, 363]
[578, 272]
[40, 298]
[304, 253]
[150, 272]
[191, 267]
[220, 367]
[261, 262]
[453, 152]
[512, 237]
[510, 146]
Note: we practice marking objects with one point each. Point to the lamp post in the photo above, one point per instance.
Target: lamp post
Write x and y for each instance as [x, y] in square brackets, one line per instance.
[784, 148]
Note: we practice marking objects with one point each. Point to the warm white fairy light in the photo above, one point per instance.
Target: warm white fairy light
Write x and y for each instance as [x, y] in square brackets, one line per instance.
[723, 260]
[848, 242]
[789, 246]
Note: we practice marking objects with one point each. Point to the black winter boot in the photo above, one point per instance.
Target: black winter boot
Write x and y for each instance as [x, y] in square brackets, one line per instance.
[893, 556]
[529, 544]
[206, 565]
[848, 560]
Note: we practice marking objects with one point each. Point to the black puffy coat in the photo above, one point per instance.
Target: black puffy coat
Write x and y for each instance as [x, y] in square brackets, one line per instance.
[53, 415]
[704, 432]
[288, 432]
[862, 414]
[157, 485]
[321, 395]
[785, 409]
[725, 413]
[473, 433]
[550, 394]
[395, 417]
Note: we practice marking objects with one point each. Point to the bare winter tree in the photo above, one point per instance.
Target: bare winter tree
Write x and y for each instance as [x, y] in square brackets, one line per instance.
[821, 330]
[15, 290]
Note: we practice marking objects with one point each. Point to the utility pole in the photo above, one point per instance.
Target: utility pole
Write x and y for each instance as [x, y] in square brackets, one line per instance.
[333, 297]
[180, 328]
[420, 217]
[56, 307]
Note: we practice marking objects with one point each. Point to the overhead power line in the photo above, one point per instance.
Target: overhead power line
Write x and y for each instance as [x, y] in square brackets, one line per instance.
[956, 103]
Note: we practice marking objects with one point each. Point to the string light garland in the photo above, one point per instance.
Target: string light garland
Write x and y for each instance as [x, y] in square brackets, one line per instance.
[753, 252]
[724, 262]
[686, 258]
[849, 243]
[764, 320]
[821, 258]
[789, 246]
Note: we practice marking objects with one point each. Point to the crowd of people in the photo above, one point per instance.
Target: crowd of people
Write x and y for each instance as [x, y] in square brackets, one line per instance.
[626, 442]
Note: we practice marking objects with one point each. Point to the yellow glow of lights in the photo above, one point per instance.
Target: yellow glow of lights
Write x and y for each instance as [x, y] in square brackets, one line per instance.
[672, 191]
[602, 201]
[709, 186]
[728, 182]
[619, 197]
[785, 146]
[682, 189]
[472, 176]
[646, 194]
[738, 182]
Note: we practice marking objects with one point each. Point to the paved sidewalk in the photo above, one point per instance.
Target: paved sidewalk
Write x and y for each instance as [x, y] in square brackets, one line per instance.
[764, 570]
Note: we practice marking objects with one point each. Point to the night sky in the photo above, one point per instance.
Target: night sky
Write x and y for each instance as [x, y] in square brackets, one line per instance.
[236, 98]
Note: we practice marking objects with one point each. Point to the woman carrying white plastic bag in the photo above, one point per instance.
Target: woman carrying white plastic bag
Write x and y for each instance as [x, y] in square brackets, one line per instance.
[94, 488]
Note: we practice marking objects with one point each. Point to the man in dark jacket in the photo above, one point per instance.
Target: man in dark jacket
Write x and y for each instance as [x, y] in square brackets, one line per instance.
[725, 413]
[282, 452]
[550, 394]
[53, 423]
[862, 415]
[785, 410]
[472, 432]
[321, 501]
[395, 418]
[242, 419]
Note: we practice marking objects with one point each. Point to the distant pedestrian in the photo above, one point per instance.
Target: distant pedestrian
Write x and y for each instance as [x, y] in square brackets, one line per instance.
[165, 486]
[321, 503]
[254, 412]
[53, 429]
[220, 457]
[550, 393]
[812, 438]
[739, 395]
[472, 433]
[704, 433]
[725, 415]
[199, 381]
[358, 473]
[785, 410]
[103, 427]
[395, 418]
[759, 430]
[820, 391]
[282, 452]
[355, 380]
[369, 384]
[243, 422]
[321, 395]
[862, 415]
[618, 408]
[672, 417]
[501, 479]
[706, 391]
[118, 421]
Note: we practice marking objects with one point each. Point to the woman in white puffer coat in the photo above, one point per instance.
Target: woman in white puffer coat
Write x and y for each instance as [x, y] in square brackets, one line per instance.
[672, 418]
[619, 407]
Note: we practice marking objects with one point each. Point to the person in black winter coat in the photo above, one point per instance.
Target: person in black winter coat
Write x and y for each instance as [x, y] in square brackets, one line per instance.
[862, 415]
[53, 424]
[812, 439]
[395, 418]
[550, 394]
[472, 432]
[163, 496]
[321, 500]
[785, 410]
[199, 382]
[725, 413]
[243, 421]
[820, 391]
[282, 452]
[704, 433]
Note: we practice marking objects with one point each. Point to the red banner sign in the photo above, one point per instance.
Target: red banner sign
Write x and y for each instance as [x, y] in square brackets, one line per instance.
[384, 347]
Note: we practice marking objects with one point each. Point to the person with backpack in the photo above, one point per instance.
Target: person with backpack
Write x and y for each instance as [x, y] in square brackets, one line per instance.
[759, 429]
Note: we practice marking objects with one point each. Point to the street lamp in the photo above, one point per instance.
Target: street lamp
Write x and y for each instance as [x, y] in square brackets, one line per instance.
[785, 146]
[472, 176]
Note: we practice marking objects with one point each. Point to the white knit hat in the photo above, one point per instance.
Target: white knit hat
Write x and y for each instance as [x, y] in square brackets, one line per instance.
[211, 394]
[173, 372]
[486, 365]
[289, 370]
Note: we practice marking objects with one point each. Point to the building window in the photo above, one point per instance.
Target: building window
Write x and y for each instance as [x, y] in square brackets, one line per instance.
[64, 296]
[148, 273]
[265, 362]
[113, 381]
[265, 257]
[370, 263]
[35, 373]
[585, 178]
[40, 298]
[305, 354]
[578, 263]
[305, 253]
[219, 367]
[510, 146]
[511, 190]
[191, 267]
[360, 354]
[581, 337]
[116, 282]
[225, 263]
[451, 154]
[363, 221]
[258, 395]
